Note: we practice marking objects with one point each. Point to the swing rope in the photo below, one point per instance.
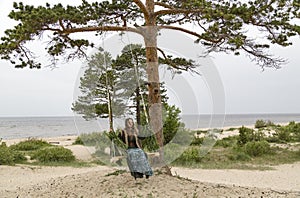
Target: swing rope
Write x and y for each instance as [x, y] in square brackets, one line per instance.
[138, 80]
[108, 98]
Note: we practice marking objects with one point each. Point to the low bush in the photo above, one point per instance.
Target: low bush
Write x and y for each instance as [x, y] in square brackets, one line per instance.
[92, 139]
[262, 124]
[238, 155]
[9, 156]
[197, 141]
[30, 145]
[78, 141]
[227, 142]
[283, 135]
[248, 135]
[257, 148]
[54, 154]
[190, 155]
[293, 129]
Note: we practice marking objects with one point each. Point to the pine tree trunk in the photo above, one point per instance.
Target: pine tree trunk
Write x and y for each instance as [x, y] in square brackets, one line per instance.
[155, 106]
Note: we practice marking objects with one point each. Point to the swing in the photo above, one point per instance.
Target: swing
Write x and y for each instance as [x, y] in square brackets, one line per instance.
[114, 149]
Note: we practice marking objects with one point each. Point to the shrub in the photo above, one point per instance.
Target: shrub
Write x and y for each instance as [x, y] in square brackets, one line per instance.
[9, 156]
[171, 127]
[239, 156]
[92, 139]
[262, 124]
[294, 129]
[248, 135]
[78, 141]
[6, 156]
[54, 154]
[171, 123]
[30, 145]
[283, 135]
[197, 141]
[244, 135]
[257, 148]
[227, 142]
[190, 155]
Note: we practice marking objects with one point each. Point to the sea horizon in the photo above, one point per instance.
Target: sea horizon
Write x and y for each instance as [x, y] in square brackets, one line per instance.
[14, 127]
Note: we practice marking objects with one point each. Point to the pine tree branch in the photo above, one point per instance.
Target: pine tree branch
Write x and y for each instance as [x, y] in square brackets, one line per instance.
[177, 11]
[94, 29]
[199, 36]
[164, 5]
[142, 7]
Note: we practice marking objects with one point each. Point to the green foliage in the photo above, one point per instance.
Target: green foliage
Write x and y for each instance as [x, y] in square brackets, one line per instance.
[197, 141]
[262, 124]
[92, 139]
[283, 135]
[294, 129]
[257, 148]
[248, 135]
[97, 85]
[221, 19]
[149, 143]
[30, 145]
[78, 140]
[173, 130]
[288, 133]
[10, 156]
[238, 155]
[190, 155]
[171, 123]
[54, 154]
[227, 141]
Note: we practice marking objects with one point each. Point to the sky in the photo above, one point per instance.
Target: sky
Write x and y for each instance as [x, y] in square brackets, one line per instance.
[246, 88]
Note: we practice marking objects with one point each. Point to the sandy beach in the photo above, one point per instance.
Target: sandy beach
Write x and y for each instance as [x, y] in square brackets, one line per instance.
[42, 181]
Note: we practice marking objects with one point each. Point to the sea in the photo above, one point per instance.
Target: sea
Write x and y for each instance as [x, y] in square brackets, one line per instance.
[40, 127]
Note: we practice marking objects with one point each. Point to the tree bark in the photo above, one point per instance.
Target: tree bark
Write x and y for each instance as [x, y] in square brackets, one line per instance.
[155, 106]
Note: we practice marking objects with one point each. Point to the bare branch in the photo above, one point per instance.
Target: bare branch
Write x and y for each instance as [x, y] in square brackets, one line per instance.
[264, 60]
[199, 36]
[61, 24]
[93, 29]
[169, 62]
[142, 7]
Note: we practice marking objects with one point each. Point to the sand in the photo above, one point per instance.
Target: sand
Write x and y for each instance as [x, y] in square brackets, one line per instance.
[41, 181]
[24, 181]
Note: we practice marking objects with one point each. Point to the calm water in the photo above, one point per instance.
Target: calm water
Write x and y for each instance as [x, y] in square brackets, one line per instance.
[24, 127]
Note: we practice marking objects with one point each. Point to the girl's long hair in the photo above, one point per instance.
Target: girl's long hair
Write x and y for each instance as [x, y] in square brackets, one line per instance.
[134, 130]
[127, 128]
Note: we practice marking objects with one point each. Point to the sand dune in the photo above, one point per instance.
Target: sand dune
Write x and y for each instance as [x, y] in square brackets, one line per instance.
[89, 182]
[29, 181]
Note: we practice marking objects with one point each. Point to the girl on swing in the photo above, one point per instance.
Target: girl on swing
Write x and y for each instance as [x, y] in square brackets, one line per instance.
[136, 158]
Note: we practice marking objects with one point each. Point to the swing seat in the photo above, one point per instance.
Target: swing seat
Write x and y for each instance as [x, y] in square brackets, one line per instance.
[154, 154]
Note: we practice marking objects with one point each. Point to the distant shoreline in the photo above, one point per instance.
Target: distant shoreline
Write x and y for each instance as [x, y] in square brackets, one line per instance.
[41, 127]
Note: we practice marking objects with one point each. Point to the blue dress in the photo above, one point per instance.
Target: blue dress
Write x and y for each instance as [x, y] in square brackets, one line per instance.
[137, 160]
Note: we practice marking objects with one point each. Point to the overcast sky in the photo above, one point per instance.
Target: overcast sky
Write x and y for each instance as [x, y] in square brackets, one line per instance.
[248, 89]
